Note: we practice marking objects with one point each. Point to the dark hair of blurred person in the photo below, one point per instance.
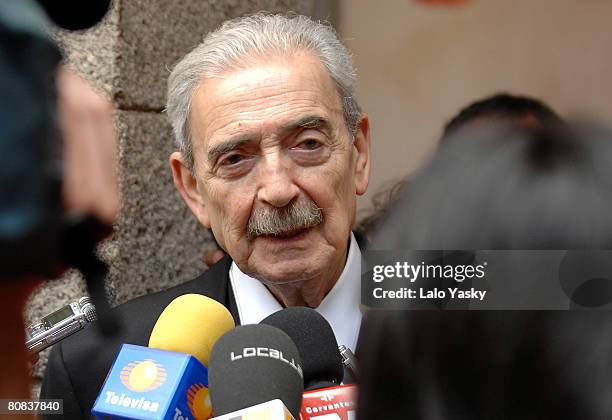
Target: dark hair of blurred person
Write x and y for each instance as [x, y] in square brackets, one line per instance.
[513, 109]
[523, 110]
[482, 365]
[497, 187]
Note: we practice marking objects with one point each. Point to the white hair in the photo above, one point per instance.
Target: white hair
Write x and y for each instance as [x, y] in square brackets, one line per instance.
[237, 42]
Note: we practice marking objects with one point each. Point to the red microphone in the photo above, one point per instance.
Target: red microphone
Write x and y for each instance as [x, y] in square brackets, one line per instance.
[333, 403]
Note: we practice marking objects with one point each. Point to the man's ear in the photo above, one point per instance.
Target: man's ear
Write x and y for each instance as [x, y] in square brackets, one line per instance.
[187, 185]
[363, 160]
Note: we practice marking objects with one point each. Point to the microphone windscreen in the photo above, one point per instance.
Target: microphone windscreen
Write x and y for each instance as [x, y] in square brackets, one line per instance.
[191, 324]
[75, 14]
[253, 364]
[316, 343]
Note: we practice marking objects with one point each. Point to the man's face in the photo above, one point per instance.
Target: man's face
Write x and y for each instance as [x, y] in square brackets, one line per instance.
[267, 138]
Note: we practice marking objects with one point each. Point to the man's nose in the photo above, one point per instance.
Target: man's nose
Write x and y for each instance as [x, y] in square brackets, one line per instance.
[277, 187]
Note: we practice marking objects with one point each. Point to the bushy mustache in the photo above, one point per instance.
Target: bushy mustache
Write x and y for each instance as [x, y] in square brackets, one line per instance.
[268, 220]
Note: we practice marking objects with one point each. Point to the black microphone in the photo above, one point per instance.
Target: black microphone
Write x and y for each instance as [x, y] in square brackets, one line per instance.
[254, 364]
[316, 343]
[325, 397]
[75, 14]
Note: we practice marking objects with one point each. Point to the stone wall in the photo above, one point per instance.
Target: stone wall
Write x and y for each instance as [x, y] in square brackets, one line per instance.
[127, 57]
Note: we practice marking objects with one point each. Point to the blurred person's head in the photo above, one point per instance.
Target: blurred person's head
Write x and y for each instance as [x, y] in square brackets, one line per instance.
[273, 147]
[522, 111]
[497, 186]
[482, 365]
[513, 109]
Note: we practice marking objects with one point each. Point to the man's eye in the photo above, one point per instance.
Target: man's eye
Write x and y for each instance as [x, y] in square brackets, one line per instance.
[234, 165]
[310, 144]
[232, 160]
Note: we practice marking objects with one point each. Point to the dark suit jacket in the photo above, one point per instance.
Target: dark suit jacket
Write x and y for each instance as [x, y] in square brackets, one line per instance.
[78, 365]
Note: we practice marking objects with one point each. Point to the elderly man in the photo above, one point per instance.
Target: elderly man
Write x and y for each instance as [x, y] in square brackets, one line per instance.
[273, 149]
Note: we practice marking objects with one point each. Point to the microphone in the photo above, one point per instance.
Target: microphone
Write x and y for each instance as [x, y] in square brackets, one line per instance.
[168, 379]
[349, 361]
[332, 403]
[191, 324]
[59, 324]
[316, 342]
[255, 364]
[271, 410]
[325, 397]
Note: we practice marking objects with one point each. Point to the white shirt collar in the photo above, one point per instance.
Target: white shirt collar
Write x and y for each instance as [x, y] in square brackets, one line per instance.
[340, 307]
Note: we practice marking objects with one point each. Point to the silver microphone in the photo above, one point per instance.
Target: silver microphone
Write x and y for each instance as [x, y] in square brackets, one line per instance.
[348, 360]
[59, 325]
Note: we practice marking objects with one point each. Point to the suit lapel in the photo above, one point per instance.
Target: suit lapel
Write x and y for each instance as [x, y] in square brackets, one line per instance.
[215, 283]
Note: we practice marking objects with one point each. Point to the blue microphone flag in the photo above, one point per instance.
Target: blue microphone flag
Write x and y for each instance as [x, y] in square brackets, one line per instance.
[146, 383]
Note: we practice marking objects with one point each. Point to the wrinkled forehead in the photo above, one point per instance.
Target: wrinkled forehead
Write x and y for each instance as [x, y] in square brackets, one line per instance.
[262, 97]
